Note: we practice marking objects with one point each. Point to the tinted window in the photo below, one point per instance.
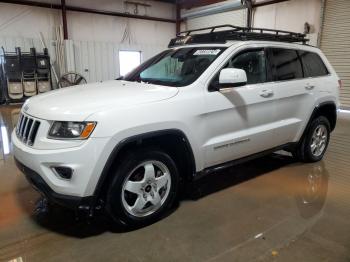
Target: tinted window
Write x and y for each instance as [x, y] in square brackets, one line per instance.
[253, 63]
[312, 64]
[287, 64]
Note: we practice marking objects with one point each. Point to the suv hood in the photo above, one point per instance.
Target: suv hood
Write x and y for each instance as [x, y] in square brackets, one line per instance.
[78, 102]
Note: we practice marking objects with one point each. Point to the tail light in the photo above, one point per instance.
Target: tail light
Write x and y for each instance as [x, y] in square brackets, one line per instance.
[340, 84]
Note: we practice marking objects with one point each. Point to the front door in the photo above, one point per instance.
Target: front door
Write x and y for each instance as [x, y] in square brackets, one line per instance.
[240, 120]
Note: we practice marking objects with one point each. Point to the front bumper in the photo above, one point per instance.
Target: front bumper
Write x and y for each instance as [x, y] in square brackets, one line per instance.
[86, 160]
[39, 184]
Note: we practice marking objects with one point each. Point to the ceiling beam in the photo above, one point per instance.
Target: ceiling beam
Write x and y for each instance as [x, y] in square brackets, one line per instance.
[88, 10]
[268, 2]
[187, 4]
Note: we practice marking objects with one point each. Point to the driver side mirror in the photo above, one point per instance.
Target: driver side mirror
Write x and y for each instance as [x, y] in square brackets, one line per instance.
[232, 77]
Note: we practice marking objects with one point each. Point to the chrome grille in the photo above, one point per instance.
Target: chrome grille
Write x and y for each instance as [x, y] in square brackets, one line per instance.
[27, 129]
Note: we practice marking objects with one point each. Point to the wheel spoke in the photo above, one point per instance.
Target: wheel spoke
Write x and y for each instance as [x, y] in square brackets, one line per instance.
[133, 187]
[139, 204]
[162, 181]
[313, 148]
[149, 171]
[319, 132]
[318, 151]
[156, 199]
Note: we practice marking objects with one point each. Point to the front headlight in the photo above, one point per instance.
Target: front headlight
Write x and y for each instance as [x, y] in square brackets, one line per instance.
[71, 130]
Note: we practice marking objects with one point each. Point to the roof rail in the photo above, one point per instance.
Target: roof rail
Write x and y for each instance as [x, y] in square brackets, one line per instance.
[235, 33]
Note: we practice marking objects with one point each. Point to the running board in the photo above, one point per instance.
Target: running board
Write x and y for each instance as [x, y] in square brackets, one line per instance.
[210, 170]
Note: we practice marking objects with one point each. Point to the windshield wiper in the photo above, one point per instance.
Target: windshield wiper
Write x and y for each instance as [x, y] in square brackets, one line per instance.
[153, 81]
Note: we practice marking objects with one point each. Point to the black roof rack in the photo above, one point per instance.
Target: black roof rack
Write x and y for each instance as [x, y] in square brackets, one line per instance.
[235, 33]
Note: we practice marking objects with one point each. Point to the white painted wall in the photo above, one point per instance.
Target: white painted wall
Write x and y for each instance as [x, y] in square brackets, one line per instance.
[237, 17]
[96, 38]
[27, 22]
[290, 16]
[91, 27]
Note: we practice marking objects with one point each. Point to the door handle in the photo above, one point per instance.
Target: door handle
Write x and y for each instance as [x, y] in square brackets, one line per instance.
[266, 93]
[309, 87]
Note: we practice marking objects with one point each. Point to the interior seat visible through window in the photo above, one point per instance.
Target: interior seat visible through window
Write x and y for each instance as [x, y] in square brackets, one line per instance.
[253, 62]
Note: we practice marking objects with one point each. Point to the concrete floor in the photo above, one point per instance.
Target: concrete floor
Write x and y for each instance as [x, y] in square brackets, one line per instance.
[270, 209]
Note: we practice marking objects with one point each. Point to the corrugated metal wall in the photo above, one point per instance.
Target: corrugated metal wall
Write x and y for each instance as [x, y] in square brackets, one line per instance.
[238, 18]
[335, 42]
[96, 61]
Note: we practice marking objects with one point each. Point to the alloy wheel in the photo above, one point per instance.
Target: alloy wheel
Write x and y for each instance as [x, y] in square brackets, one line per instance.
[146, 188]
[319, 140]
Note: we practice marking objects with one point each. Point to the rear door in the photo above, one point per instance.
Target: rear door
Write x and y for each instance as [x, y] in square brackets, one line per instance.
[316, 73]
[294, 94]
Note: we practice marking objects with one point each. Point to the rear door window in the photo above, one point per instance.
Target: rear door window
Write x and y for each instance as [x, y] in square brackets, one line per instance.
[312, 64]
[286, 64]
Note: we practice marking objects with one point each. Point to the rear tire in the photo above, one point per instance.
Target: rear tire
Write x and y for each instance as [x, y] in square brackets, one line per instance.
[315, 141]
[144, 188]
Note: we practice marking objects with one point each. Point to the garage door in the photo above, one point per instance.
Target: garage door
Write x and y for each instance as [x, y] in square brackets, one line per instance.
[335, 42]
[238, 18]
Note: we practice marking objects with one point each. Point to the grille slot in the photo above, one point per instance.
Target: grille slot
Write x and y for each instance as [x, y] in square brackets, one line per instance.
[33, 133]
[27, 129]
[24, 125]
[19, 124]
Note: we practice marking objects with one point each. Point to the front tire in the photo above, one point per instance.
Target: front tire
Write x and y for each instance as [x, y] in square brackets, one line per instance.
[144, 188]
[314, 144]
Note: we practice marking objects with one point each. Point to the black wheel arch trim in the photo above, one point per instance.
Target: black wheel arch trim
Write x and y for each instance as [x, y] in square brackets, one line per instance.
[315, 111]
[106, 170]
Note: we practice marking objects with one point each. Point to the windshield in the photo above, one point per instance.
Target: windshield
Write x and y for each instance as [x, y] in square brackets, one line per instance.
[175, 67]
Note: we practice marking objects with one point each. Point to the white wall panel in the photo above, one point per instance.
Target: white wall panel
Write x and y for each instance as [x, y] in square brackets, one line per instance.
[237, 18]
[96, 61]
[290, 16]
[96, 38]
[99, 61]
[157, 9]
[25, 21]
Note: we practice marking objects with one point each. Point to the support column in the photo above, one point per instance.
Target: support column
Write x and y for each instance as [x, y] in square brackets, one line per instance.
[64, 19]
[249, 5]
[178, 17]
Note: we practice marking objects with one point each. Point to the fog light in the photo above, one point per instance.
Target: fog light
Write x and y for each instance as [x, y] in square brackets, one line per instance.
[63, 172]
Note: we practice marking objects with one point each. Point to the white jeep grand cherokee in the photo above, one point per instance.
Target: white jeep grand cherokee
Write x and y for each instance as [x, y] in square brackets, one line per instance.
[209, 101]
